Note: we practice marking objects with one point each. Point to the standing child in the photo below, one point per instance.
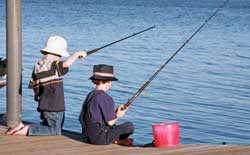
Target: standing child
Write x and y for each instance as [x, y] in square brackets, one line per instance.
[47, 83]
[98, 115]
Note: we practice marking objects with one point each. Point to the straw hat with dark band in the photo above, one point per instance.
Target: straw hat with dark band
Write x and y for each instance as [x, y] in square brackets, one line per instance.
[103, 72]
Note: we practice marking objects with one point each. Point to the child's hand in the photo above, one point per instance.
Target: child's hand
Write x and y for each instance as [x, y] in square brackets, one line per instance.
[73, 58]
[120, 111]
[81, 54]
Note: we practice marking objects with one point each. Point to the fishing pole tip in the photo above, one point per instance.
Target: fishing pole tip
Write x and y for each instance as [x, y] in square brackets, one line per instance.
[152, 27]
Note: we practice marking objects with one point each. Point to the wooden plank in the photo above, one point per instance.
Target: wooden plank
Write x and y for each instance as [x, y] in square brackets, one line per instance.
[69, 143]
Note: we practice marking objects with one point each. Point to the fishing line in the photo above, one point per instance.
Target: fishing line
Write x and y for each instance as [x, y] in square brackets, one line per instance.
[178, 50]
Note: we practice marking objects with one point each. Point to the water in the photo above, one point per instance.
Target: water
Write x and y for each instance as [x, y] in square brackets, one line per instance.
[206, 87]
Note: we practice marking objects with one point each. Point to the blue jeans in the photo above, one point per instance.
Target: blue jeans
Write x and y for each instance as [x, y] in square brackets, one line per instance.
[52, 123]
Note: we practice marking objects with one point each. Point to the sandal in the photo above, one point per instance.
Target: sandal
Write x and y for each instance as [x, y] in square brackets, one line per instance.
[124, 142]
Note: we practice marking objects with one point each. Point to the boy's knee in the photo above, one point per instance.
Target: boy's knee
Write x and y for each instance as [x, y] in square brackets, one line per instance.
[130, 126]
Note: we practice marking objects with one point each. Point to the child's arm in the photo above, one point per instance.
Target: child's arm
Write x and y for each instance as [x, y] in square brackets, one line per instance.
[34, 86]
[120, 112]
[36, 94]
[73, 58]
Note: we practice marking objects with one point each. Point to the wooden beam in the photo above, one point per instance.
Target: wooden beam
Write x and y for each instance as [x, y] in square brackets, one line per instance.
[14, 62]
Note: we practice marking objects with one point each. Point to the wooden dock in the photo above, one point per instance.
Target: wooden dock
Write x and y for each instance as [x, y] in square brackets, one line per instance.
[70, 144]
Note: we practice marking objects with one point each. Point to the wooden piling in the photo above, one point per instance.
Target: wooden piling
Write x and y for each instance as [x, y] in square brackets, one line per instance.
[14, 62]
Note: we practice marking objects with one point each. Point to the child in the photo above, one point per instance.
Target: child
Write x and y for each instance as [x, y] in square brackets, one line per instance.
[47, 83]
[3, 68]
[98, 115]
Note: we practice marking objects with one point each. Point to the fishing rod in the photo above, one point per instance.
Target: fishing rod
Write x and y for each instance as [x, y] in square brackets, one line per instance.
[178, 50]
[97, 49]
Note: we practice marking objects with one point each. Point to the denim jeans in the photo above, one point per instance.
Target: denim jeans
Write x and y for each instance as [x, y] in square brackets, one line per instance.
[52, 123]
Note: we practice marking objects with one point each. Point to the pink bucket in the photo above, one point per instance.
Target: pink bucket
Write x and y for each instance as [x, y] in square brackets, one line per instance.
[166, 134]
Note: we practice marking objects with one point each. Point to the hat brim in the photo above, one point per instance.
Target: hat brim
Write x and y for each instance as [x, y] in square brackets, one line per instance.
[97, 77]
[63, 53]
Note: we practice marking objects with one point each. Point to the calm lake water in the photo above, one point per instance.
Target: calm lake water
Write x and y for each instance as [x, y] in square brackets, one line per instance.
[205, 88]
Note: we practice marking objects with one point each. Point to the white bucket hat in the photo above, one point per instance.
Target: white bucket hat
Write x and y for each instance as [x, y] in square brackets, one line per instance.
[56, 45]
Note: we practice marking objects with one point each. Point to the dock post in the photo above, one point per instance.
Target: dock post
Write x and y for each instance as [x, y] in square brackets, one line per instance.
[14, 62]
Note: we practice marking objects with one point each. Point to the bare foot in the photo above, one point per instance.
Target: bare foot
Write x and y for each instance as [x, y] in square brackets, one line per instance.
[22, 131]
[10, 131]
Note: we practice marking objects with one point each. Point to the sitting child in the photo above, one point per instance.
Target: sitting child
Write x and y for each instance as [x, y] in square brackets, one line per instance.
[98, 115]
